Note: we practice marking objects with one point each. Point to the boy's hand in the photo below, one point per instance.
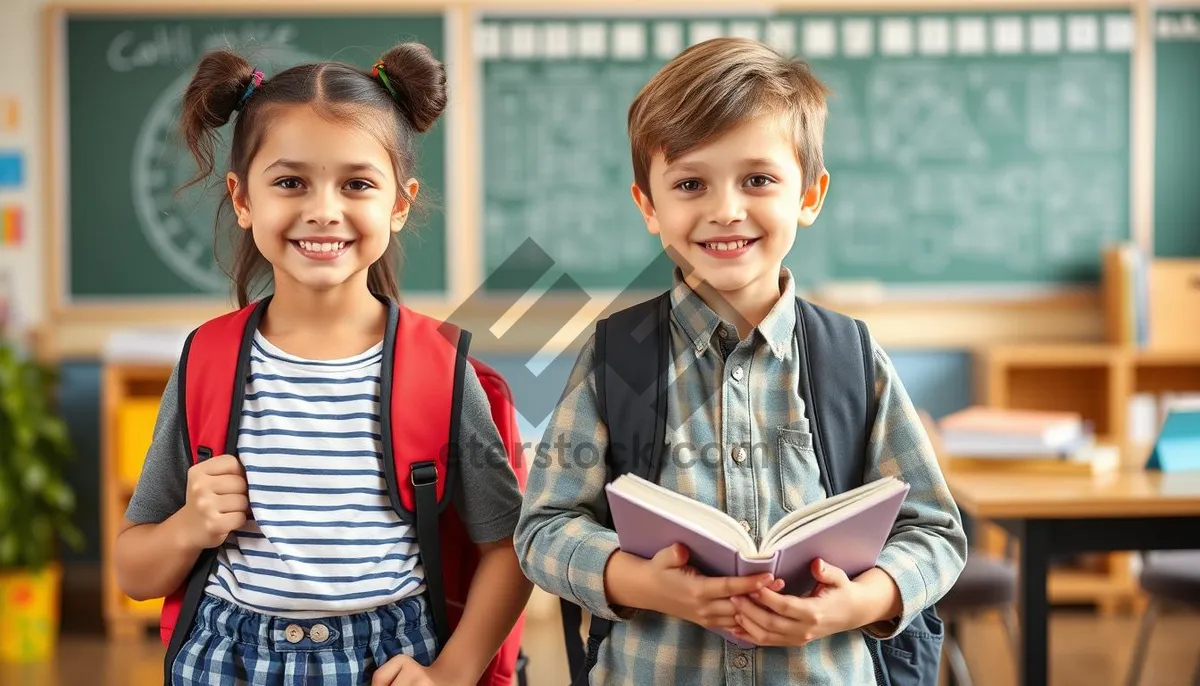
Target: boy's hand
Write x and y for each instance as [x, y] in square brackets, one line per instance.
[768, 618]
[217, 501]
[682, 591]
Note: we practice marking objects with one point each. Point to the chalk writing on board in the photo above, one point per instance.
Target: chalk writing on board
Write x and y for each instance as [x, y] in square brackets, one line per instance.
[166, 45]
[180, 226]
[962, 148]
[1178, 27]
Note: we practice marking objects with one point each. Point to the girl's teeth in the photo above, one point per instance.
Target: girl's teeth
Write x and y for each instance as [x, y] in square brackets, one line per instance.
[322, 247]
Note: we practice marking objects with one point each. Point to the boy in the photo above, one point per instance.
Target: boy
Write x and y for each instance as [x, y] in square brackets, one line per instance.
[727, 163]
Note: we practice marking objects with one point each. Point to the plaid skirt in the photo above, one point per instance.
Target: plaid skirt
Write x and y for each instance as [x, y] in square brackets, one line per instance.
[229, 644]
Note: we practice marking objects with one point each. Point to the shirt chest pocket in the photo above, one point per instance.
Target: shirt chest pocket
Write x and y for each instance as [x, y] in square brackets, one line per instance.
[799, 472]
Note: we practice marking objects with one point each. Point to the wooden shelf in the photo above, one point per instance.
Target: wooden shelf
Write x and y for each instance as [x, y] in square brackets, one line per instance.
[129, 400]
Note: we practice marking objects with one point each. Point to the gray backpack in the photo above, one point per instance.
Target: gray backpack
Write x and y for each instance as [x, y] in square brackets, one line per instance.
[837, 383]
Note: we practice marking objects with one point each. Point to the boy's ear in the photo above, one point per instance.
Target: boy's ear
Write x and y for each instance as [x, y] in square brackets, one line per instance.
[813, 199]
[241, 203]
[403, 205]
[646, 205]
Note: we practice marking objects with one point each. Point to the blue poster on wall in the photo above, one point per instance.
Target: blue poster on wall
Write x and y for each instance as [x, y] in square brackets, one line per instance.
[12, 169]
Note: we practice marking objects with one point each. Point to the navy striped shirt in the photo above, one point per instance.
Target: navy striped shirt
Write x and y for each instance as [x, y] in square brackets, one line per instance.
[323, 538]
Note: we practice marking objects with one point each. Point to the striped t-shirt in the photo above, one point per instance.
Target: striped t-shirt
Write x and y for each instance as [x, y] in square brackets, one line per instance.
[323, 538]
[319, 552]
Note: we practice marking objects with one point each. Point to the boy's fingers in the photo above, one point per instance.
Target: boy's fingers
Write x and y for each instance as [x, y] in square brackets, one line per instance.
[674, 555]
[767, 619]
[728, 586]
[775, 602]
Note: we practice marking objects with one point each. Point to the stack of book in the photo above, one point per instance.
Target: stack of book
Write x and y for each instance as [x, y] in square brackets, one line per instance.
[998, 438]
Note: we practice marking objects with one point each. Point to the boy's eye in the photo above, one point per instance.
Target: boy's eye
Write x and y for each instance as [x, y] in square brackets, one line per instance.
[689, 185]
[760, 181]
[359, 185]
[289, 183]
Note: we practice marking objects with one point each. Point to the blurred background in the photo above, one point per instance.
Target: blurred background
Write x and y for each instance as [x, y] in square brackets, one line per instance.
[1013, 209]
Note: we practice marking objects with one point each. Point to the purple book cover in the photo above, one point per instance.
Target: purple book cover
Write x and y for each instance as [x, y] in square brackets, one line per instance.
[851, 540]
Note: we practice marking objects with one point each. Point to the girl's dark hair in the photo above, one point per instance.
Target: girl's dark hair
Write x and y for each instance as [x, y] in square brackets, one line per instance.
[337, 91]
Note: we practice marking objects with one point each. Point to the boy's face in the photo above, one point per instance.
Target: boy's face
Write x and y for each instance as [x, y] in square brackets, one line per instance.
[729, 209]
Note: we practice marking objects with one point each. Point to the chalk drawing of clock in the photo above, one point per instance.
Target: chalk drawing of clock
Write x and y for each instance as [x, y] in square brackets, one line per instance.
[180, 225]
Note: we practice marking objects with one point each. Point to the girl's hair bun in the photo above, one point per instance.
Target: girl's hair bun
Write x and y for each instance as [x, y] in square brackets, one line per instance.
[419, 80]
[210, 100]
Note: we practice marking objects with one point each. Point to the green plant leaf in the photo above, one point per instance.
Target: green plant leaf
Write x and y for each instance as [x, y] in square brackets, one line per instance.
[36, 502]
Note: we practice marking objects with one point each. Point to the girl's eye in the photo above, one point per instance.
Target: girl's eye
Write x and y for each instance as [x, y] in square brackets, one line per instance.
[760, 181]
[359, 185]
[289, 183]
[689, 185]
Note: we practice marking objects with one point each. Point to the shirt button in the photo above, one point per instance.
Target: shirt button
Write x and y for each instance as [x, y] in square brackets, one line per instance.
[745, 525]
[738, 374]
[740, 661]
[739, 454]
[293, 633]
[319, 633]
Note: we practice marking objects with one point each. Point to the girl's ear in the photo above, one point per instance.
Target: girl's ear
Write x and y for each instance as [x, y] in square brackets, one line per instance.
[241, 203]
[404, 205]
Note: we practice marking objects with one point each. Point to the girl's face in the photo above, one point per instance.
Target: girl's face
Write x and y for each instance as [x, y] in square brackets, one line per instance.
[321, 200]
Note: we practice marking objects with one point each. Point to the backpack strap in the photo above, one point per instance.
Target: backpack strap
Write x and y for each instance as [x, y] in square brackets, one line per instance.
[841, 419]
[212, 375]
[419, 456]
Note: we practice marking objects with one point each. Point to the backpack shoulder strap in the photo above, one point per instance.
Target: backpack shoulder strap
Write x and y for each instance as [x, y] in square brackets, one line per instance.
[212, 375]
[837, 383]
[633, 348]
[421, 381]
[632, 355]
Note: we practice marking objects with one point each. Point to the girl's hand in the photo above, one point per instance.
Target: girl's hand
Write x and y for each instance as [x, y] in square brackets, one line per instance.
[217, 500]
[768, 618]
[402, 670]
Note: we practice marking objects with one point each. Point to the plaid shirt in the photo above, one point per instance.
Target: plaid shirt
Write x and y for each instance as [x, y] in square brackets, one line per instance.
[564, 550]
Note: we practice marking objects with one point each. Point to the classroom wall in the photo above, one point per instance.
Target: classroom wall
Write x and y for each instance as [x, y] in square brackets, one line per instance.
[20, 83]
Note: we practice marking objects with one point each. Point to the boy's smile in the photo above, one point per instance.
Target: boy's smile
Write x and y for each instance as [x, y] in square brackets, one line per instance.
[728, 210]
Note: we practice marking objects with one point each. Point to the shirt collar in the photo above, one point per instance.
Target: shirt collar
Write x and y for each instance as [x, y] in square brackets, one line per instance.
[701, 323]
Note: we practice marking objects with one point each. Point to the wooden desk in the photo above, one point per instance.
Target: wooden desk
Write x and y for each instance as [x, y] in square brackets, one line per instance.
[1054, 515]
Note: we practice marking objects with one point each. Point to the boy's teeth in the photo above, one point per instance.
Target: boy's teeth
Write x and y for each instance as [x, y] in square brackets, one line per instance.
[730, 245]
[322, 247]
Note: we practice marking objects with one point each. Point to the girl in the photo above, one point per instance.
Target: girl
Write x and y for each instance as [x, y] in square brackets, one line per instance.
[316, 574]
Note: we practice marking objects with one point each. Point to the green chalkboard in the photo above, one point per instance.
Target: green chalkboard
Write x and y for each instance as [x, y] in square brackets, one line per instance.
[1177, 134]
[129, 233]
[985, 149]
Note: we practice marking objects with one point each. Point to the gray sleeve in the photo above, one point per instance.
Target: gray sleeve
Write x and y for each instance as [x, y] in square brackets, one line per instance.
[488, 498]
[162, 487]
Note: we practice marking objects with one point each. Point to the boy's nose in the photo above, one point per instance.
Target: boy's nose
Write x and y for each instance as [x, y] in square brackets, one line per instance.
[728, 209]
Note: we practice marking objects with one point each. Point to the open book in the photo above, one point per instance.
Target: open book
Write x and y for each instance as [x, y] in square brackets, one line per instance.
[847, 530]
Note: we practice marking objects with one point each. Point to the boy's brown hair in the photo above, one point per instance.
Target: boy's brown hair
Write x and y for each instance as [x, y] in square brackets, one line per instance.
[716, 85]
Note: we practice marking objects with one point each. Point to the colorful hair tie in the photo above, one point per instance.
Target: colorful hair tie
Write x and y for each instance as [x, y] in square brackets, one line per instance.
[256, 79]
[378, 73]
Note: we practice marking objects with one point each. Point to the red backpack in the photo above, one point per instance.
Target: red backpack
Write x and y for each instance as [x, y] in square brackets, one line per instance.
[422, 358]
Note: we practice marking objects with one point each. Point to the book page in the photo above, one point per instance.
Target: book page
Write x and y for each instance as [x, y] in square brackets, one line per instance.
[675, 506]
[796, 521]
